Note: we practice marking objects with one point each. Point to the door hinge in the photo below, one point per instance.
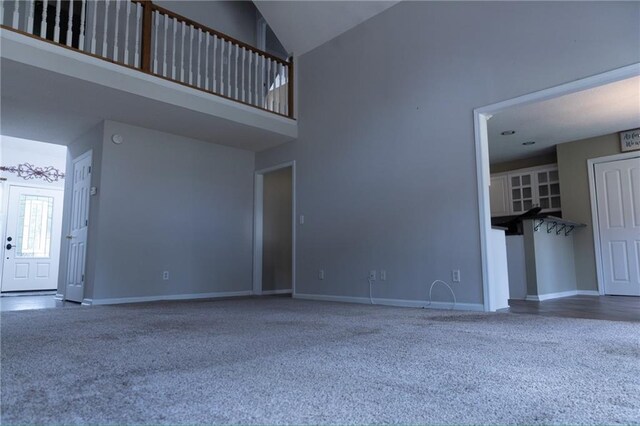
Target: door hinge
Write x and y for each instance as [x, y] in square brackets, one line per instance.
[89, 169]
[82, 277]
[86, 223]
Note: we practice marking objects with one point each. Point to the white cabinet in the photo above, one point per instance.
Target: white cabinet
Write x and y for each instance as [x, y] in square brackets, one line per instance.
[518, 191]
[499, 195]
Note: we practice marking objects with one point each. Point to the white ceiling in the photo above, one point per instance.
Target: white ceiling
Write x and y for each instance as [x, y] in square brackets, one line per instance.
[606, 109]
[46, 106]
[306, 24]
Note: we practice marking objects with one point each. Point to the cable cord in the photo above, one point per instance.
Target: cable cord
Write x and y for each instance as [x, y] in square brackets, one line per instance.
[448, 286]
[370, 295]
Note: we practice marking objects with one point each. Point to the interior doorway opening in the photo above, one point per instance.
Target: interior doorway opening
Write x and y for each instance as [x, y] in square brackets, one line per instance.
[274, 231]
[31, 209]
[534, 154]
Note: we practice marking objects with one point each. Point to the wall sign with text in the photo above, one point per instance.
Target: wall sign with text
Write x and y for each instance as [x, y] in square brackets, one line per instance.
[630, 140]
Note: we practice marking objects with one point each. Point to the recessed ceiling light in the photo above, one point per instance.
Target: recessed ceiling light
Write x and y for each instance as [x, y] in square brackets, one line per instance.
[508, 132]
[528, 143]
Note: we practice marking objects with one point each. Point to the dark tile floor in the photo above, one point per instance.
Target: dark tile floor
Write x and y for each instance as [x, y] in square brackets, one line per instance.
[22, 302]
[613, 308]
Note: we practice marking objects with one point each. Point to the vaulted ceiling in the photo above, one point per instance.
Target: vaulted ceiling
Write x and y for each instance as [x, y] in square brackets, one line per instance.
[306, 24]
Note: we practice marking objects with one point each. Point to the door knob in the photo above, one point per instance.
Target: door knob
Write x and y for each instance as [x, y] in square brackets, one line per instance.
[68, 237]
[9, 239]
[9, 246]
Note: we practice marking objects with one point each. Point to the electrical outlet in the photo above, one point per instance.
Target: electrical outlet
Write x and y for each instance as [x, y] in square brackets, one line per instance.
[372, 275]
[321, 274]
[383, 275]
[455, 275]
[165, 275]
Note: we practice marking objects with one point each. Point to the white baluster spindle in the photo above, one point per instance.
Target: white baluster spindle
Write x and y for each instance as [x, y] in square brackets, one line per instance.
[165, 18]
[249, 77]
[94, 27]
[206, 60]
[229, 47]
[174, 26]
[242, 75]
[156, 23]
[16, 14]
[191, 30]
[70, 24]
[106, 26]
[127, 22]
[236, 71]
[136, 46]
[56, 27]
[82, 24]
[182, 29]
[222, 43]
[198, 80]
[116, 32]
[215, 60]
[32, 5]
[43, 23]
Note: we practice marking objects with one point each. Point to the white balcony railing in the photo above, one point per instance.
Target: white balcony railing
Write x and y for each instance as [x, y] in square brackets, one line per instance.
[141, 35]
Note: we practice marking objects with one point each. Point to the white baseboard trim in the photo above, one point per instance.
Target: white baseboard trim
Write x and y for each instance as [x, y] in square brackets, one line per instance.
[271, 292]
[548, 296]
[115, 301]
[405, 303]
[59, 296]
[87, 302]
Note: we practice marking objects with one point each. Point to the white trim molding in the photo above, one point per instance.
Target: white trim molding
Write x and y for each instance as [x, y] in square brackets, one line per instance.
[59, 296]
[483, 114]
[117, 301]
[404, 303]
[560, 294]
[258, 207]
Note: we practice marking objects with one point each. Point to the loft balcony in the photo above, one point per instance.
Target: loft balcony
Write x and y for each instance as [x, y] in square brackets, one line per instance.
[134, 61]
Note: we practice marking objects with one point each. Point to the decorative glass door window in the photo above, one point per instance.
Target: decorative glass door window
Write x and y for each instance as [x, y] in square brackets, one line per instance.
[549, 190]
[521, 193]
[35, 219]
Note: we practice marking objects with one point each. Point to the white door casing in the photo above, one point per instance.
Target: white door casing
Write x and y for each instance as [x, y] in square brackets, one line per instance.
[78, 226]
[32, 239]
[618, 215]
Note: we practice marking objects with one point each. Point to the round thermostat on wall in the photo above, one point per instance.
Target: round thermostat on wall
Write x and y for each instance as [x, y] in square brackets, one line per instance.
[117, 139]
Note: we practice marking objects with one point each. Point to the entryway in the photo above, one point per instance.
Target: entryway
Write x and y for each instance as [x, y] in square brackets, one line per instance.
[32, 189]
[274, 231]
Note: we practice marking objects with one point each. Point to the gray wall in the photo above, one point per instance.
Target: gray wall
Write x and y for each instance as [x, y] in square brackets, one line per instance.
[277, 249]
[234, 18]
[576, 204]
[386, 157]
[169, 203]
[91, 140]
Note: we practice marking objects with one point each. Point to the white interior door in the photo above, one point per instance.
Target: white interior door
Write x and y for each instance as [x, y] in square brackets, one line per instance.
[32, 239]
[618, 206]
[78, 226]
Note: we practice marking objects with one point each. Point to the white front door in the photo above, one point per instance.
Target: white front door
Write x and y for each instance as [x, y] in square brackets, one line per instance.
[32, 239]
[618, 207]
[78, 227]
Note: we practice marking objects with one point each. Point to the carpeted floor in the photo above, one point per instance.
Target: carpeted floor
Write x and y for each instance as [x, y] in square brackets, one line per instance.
[274, 361]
